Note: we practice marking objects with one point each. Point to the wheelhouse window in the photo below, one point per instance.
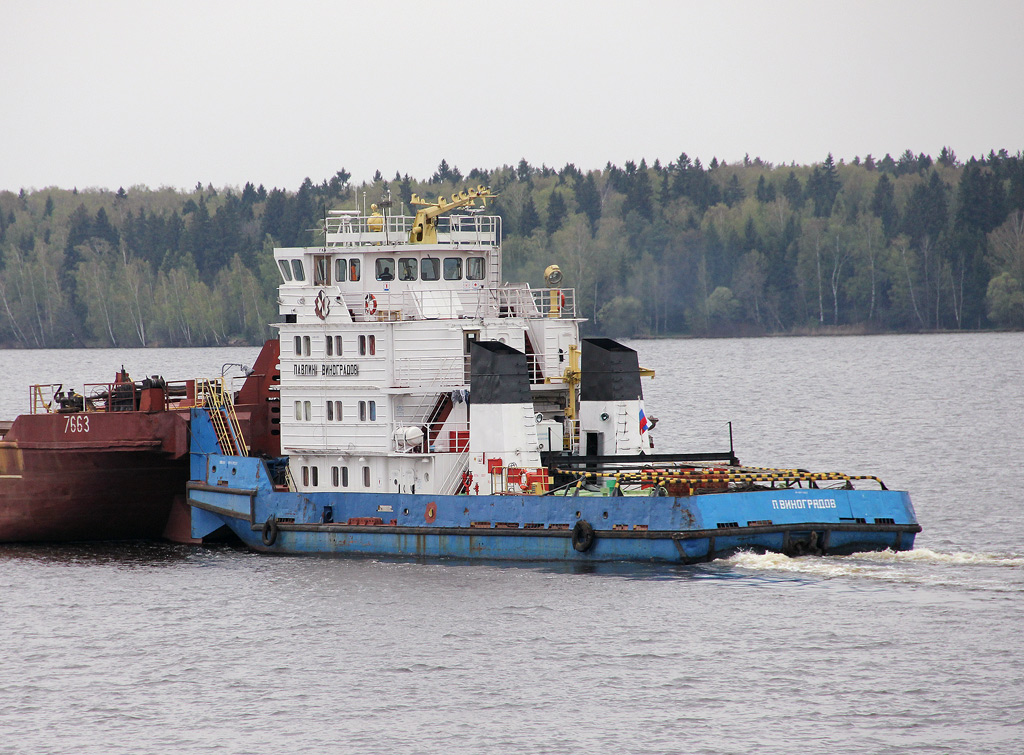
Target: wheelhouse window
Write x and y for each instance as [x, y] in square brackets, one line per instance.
[340, 270]
[298, 271]
[286, 271]
[430, 269]
[385, 268]
[353, 269]
[453, 268]
[475, 269]
[407, 268]
[321, 270]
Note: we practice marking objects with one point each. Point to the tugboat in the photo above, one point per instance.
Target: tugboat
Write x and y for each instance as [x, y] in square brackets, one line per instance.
[429, 410]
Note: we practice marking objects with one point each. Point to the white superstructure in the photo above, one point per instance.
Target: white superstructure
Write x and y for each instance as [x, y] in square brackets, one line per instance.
[375, 341]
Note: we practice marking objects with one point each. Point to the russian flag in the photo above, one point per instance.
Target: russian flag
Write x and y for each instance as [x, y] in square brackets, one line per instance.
[643, 421]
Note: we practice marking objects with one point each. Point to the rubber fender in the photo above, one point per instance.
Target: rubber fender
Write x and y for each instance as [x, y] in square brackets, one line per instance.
[582, 536]
[270, 531]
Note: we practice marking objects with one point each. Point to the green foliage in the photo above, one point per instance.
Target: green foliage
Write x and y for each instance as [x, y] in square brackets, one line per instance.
[623, 316]
[906, 244]
[1005, 299]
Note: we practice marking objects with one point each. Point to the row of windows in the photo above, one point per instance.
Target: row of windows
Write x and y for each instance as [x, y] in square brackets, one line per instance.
[409, 269]
[339, 477]
[334, 346]
[429, 268]
[335, 411]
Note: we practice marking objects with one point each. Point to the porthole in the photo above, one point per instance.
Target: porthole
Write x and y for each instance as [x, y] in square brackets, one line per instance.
[405, 512]
[578, 515]
[605, 515]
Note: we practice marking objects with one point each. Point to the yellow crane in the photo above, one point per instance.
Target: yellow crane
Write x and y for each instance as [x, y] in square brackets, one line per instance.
[424, 225]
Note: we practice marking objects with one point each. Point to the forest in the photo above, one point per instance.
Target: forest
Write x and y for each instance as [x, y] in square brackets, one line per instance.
[748, 248]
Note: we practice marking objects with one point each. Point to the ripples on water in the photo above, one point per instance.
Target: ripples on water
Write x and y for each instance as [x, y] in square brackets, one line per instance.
[158, 648]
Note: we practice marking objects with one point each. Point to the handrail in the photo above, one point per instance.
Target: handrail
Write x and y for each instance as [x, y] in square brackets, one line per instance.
[222, 414]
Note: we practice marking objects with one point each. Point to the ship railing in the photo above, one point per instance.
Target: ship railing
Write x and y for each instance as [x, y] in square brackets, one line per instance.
[221, 408]
[458, 304]
[343, 228]
[442, 437]
[433, 375]
[451, 483]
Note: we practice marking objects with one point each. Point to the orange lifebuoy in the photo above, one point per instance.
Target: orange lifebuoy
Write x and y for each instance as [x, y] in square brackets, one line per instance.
[561, 294]
[370, 304]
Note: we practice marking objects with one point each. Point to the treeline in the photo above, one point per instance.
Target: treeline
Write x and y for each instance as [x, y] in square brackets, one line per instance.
[873, 245]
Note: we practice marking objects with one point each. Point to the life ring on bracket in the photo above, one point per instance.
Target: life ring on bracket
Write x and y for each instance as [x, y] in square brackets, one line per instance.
[370, 304]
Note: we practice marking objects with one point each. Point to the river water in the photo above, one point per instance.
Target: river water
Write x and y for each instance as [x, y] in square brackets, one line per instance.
[154, 648]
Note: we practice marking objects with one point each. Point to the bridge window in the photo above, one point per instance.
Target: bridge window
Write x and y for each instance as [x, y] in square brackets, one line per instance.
[286, 272]
[340, 270]
[430, 269]
[353, 269]
[407, 269]
[321, 270]
[475, 269]
[385, 268]
[453, 268]
[298, 271]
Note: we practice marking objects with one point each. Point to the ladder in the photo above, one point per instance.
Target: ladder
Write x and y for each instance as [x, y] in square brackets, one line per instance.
[222, 414]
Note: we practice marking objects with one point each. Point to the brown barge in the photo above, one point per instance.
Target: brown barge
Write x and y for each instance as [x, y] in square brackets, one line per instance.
[112, 463]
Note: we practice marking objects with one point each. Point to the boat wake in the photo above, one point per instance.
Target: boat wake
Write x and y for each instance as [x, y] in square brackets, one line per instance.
[892, 566]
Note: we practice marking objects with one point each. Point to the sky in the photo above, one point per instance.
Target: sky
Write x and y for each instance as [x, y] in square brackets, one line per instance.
[107, 94]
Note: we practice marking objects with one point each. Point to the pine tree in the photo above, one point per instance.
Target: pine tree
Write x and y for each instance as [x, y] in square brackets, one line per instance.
[557, 210]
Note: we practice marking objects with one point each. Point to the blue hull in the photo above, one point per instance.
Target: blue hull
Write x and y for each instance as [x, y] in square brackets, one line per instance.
[237, 493]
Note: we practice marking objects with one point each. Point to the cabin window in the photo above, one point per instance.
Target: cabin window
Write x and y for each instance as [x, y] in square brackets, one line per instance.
[298, 346]
[298, 271]
[353, 269]
[430, 269]
[305, 475]
[314, 475]
[362, 411]
[407, 269]
[334, 411]
[340, 270]
[362, 346]
[306, 348]
[298, 410]
[385, 268]
[307, 410]
[334, 476]
[337, 345]
[330, 346]
[475, 269]
[366, 477]
[286, 272]
[344, 477]
[367, 345]
[321, 270]
[453, 268]
[373, 411]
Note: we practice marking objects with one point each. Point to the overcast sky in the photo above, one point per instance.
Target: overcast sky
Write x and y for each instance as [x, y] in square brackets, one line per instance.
[109, 94]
